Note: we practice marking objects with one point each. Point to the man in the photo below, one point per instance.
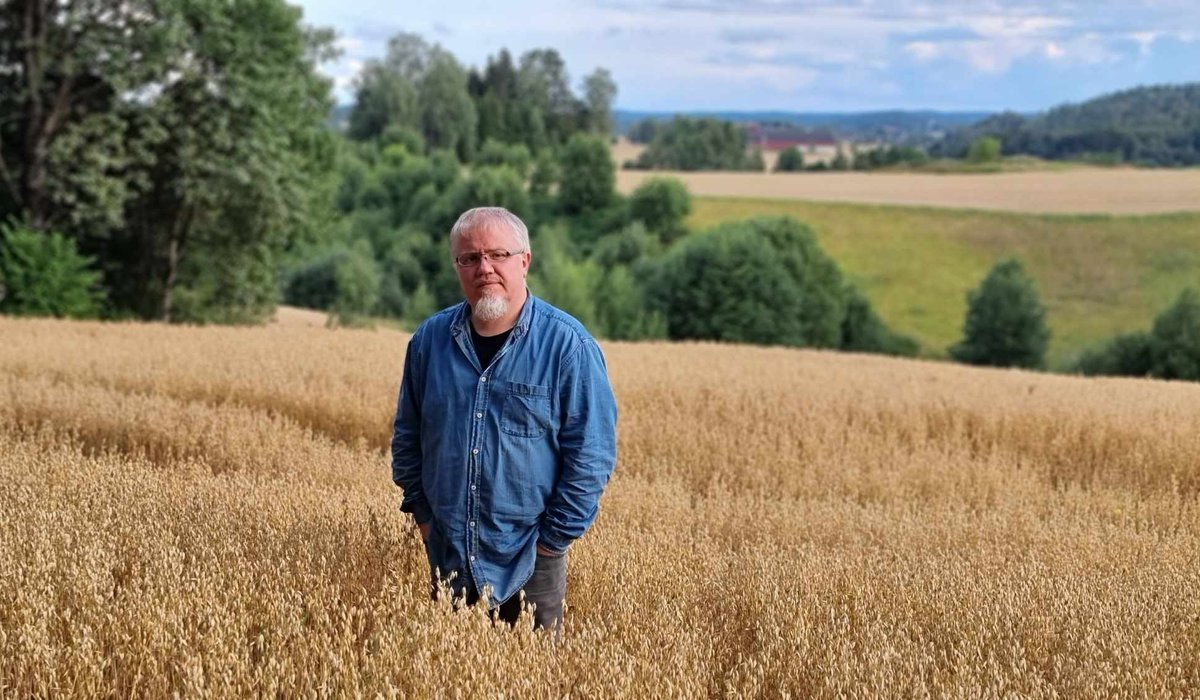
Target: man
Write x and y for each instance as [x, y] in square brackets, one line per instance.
[505, 430]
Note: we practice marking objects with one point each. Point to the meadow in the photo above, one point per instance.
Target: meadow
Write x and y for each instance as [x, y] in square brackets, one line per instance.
[209, 512]
[1098, 275]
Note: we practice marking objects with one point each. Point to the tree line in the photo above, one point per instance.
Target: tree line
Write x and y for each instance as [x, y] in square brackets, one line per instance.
[1153, 125]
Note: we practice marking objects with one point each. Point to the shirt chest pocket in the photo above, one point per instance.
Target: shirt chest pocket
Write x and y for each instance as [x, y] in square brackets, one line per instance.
[526, 411]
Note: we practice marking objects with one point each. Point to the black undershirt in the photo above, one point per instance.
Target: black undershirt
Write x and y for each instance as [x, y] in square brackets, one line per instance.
[486, 346]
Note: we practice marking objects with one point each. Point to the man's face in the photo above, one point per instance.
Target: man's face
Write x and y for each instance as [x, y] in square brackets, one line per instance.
[506, 279]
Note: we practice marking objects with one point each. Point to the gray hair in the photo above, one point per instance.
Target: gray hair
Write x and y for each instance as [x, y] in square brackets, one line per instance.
[485, 216]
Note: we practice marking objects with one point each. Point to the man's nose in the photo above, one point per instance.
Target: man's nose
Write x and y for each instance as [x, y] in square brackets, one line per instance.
[485, 265]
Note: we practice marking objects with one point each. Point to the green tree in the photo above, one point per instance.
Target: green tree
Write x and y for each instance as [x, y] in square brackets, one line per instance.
[840, 160]
[41, 274]
[864, 331]
[626, 247]
[599, 91]
[514, 155]
[382, 99]
[763, 280]
[1130, 355]
[985, 149]
[587, 176]
[790, 160]
[558, 278]
[448, 117]
[1005, 324]
[175, 156]
[1176, 336]
[621, 308]
[662, 204]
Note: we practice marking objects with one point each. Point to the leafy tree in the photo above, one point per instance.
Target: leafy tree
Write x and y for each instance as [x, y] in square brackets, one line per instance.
[1130, 355]
[1176, 336]
[587, 177]
[864, 331]
[42, 274]
[762, 280]
[544, 87]
[599, 92]
[1005, 324]
[514, 155]
[149, 134]
[705, 143]
[621, 308]
[643, 131]
[626, 247]
[985, 149]
[790, 160]
[558, 278]
[1171, 350]
[662, 204]
[382, 99]
[840, 160]
[344, 281]
[448, 117]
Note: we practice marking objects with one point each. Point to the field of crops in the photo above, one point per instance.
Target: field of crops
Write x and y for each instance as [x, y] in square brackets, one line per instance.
[209, 511]
[1047, 187]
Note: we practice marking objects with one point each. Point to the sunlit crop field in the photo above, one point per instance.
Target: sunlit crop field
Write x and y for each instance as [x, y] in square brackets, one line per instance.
[201, 511]
[1053, 188]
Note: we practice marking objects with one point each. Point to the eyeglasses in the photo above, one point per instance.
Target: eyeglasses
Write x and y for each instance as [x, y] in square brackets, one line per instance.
[493, 256]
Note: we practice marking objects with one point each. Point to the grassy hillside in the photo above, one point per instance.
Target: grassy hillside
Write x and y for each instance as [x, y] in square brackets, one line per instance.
[1098, 274]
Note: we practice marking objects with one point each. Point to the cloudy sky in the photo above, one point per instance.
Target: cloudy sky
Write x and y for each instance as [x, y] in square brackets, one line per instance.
[805, 55]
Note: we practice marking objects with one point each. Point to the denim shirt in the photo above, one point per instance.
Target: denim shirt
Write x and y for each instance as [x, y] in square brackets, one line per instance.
[503, 457]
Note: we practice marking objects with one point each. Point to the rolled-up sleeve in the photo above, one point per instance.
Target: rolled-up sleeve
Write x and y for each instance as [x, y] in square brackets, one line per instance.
[587, 448]
[406, 441]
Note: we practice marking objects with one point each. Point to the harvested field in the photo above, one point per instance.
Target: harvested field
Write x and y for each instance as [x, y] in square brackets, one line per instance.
[208, 511]
[1079, 190]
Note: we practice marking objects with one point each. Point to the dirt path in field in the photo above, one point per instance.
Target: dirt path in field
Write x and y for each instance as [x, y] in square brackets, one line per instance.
[1086, 190]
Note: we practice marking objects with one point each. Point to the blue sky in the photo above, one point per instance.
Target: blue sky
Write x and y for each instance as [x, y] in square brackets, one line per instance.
[805, 55]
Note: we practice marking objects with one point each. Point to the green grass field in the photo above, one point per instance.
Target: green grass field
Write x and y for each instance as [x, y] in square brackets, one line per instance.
[1098, 275]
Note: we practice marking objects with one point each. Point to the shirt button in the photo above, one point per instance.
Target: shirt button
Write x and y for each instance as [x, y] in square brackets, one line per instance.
[472, 487]
[472, 523]
[479, 415]
[472, 557]
[483, 379]
[474, 452]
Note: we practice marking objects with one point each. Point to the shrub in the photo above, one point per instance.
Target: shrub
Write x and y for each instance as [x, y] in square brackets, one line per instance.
[864, 331]
[985, 149]
[345, 281]
[762, 280]
[42, 274]
[790, 160]
[1176, 334]
[1130, 355]
[514, 155]
[1005, 324]
[661, 203]
[587, 178]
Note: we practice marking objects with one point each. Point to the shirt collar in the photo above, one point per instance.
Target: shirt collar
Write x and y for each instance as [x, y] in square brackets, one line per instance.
[462, 317]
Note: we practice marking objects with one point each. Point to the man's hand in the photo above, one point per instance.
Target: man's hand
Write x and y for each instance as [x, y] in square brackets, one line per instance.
[424, 528]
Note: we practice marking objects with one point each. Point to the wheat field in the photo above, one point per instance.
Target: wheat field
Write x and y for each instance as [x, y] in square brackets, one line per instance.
[1063, 188]
[209, 512]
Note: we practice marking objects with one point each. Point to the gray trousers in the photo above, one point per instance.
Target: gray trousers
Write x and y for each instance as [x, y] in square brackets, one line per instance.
[545, 591]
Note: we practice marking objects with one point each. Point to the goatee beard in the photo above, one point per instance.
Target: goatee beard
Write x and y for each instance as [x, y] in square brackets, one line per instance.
[489, 308]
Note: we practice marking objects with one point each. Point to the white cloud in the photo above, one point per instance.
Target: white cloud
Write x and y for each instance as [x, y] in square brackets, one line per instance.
[922, 50]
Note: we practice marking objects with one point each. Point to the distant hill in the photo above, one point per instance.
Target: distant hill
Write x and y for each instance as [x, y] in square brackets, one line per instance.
[1155, 125]
[894, 126]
